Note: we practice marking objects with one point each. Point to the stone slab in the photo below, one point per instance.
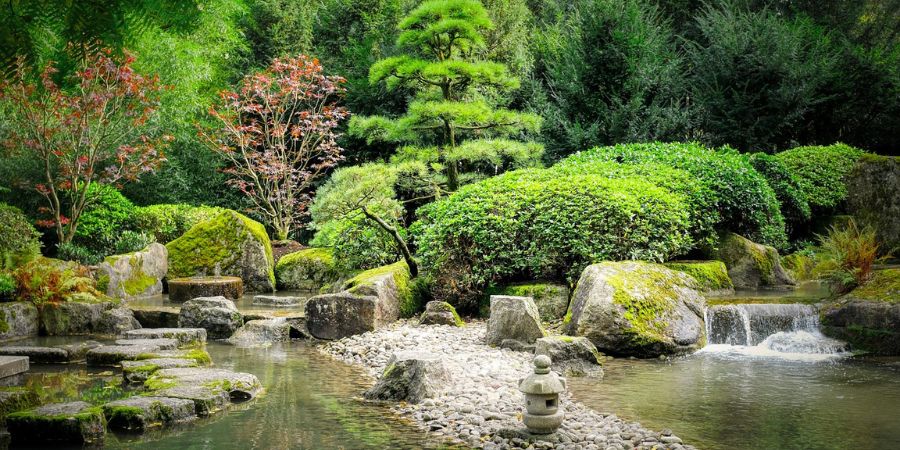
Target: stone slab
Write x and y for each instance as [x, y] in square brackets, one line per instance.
[140, 413]
[73, 422]
[186, 336]
[13, 365]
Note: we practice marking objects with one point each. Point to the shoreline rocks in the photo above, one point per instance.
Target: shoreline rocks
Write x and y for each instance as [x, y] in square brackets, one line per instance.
[217, 315]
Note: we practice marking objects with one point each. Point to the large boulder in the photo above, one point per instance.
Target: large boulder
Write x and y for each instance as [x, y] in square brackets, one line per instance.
[133, 275]
[229, 244]
[869, 316]
[390, 285]
[261, 332]
[873, 197]
[18, 319]
[712, 276]
[750, 265]
[571, 356]
[79, 318]
[307, 270]
[552, 300]
[440, 313]
[411, 376]
[217, 315]
[336, 316]
[514, 318]
[637, 308]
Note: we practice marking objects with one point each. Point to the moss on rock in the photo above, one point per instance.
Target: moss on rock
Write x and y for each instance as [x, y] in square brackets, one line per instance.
[711, 276]
[749, 264]
[373, 282]
[231, 243]
[884, 286]
[309, 269]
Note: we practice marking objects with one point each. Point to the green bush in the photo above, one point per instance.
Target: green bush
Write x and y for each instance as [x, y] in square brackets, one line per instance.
[743, 200]
[357, 244]
[535, 224]
[794, 205]
[7, 287]
[104, 219]
[131, 241]
[821, 173]
[71, 251]
[19, 241]
[168, 222]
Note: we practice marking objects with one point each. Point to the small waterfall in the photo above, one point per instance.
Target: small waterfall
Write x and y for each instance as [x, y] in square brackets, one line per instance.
[769, 328]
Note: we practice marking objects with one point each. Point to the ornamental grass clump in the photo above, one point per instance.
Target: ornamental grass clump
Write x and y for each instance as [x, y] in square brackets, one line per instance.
[848, 254]
[537, 224]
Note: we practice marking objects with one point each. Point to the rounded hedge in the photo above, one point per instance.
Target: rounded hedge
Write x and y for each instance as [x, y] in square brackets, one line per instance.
[19, 240]
[100, 226]
[794, 204]
[821, 173]
[537, 224]
[743, 200]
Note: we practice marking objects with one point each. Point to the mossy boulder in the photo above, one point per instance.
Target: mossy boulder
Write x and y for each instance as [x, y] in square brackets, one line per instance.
[391, 285]
[81, 318]
[552, 300]
[217, 315]
[440, 313]
[800, 265]
[750, 265]
[635, 308]
[18, 319]
[207, 399]
[238, 385]
[571, 355]
[14, 399]
[137, 372]
[310, 269]
[873, 197]
[712, 276]
[134, 275]
[230, 244]
[140, 413]
[73, 422]
[869, 316]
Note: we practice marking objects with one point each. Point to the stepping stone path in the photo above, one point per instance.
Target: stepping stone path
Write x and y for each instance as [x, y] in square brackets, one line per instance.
[207, 400]
[140, 413]
[238, 385]
[186, 336]
[13, 365]
[51, 355]
[137, 372]
[161, 343]
[261, 332]
[74, 422]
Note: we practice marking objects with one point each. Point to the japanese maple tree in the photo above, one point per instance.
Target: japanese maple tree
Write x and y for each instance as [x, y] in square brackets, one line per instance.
[98, 128]
[278, 132]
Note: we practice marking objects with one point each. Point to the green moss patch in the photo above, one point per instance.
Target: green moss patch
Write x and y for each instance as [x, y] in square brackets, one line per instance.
[307, 269]
[711, 275]
[884, 286]
[361, 284]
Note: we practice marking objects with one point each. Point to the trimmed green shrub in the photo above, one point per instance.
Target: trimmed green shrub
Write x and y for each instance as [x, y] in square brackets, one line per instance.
[821, 173]
[168, 222]
[357, 243]
[794, 205]
[102, 222]
[535, 224]
[71, 251]
[19, 240]
[744, 201]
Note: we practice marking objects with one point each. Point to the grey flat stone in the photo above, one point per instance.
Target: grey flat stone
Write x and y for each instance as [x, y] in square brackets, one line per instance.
[13, 365]
[80, 424]
[155, 411]
[282, 302]
[207, 400]
[239, 385]
[137, 372]
[185, 336]
[37, 355]
[162, 343]
[111, 355]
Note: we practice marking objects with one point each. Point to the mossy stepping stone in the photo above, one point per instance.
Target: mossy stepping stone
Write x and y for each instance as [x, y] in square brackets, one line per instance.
[137, 372]
[73, 422]
[161, 343]
[207, 400]
[238, 385]
[141, 413]
[111, 355]
[186, 336]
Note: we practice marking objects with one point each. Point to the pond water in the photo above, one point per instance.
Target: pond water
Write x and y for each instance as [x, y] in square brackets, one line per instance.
[243, 304]
[312, 402]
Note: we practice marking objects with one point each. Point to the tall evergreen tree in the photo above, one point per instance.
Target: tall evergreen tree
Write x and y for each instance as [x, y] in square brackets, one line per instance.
[451, 120]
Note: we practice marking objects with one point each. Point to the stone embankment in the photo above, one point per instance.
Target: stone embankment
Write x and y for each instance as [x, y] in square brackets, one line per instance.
[481, 405]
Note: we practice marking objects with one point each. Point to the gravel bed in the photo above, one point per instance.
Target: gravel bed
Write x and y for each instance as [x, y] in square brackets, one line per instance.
[483, 407]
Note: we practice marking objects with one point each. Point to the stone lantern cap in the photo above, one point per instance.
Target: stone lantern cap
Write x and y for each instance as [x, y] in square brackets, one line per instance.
[543, 381]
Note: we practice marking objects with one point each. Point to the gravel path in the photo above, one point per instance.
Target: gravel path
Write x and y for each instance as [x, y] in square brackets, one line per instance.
[482, 408]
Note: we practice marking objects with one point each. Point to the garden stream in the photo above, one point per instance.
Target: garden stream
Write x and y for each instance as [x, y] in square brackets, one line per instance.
[768, 380]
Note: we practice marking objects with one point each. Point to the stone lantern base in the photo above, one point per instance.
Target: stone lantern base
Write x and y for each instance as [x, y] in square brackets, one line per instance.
[544, 424]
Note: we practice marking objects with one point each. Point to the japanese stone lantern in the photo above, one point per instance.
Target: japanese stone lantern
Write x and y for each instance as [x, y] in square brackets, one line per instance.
[543, 413]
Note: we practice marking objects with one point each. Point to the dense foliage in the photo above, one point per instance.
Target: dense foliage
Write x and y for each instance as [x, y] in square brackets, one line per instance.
[794, 204]
[165, 223]
[847, 254]
[821, 173]
[19, 241]
[532, 224]
[742, 199]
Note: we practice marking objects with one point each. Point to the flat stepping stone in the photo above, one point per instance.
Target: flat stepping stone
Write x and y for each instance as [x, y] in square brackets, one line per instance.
[51, 355]
[239, 385]
[207, 400]
[137, 372]
[72, 422]
[279, 302]
[156, 317]
[261, 332]
[186, 336]
[162, 343]
[14, 399]
[140, 413]
[13, 365]
[112, 355]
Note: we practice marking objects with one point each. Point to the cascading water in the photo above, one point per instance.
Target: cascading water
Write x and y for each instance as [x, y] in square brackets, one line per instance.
[787, 330]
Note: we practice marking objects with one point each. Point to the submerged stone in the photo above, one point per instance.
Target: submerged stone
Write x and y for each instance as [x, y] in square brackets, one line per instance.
[185, 336]
[140, 413]
[411, 376]
[513, 318]
[73, 422]
[217, 315]
[636, 308]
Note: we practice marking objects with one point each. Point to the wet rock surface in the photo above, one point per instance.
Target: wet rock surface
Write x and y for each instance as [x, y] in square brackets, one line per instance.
[217, 315]
[72, 422]
[186, 336]
[238, 385]
[261, 332]
[482, 405]
[137, 372]
[140, 413]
